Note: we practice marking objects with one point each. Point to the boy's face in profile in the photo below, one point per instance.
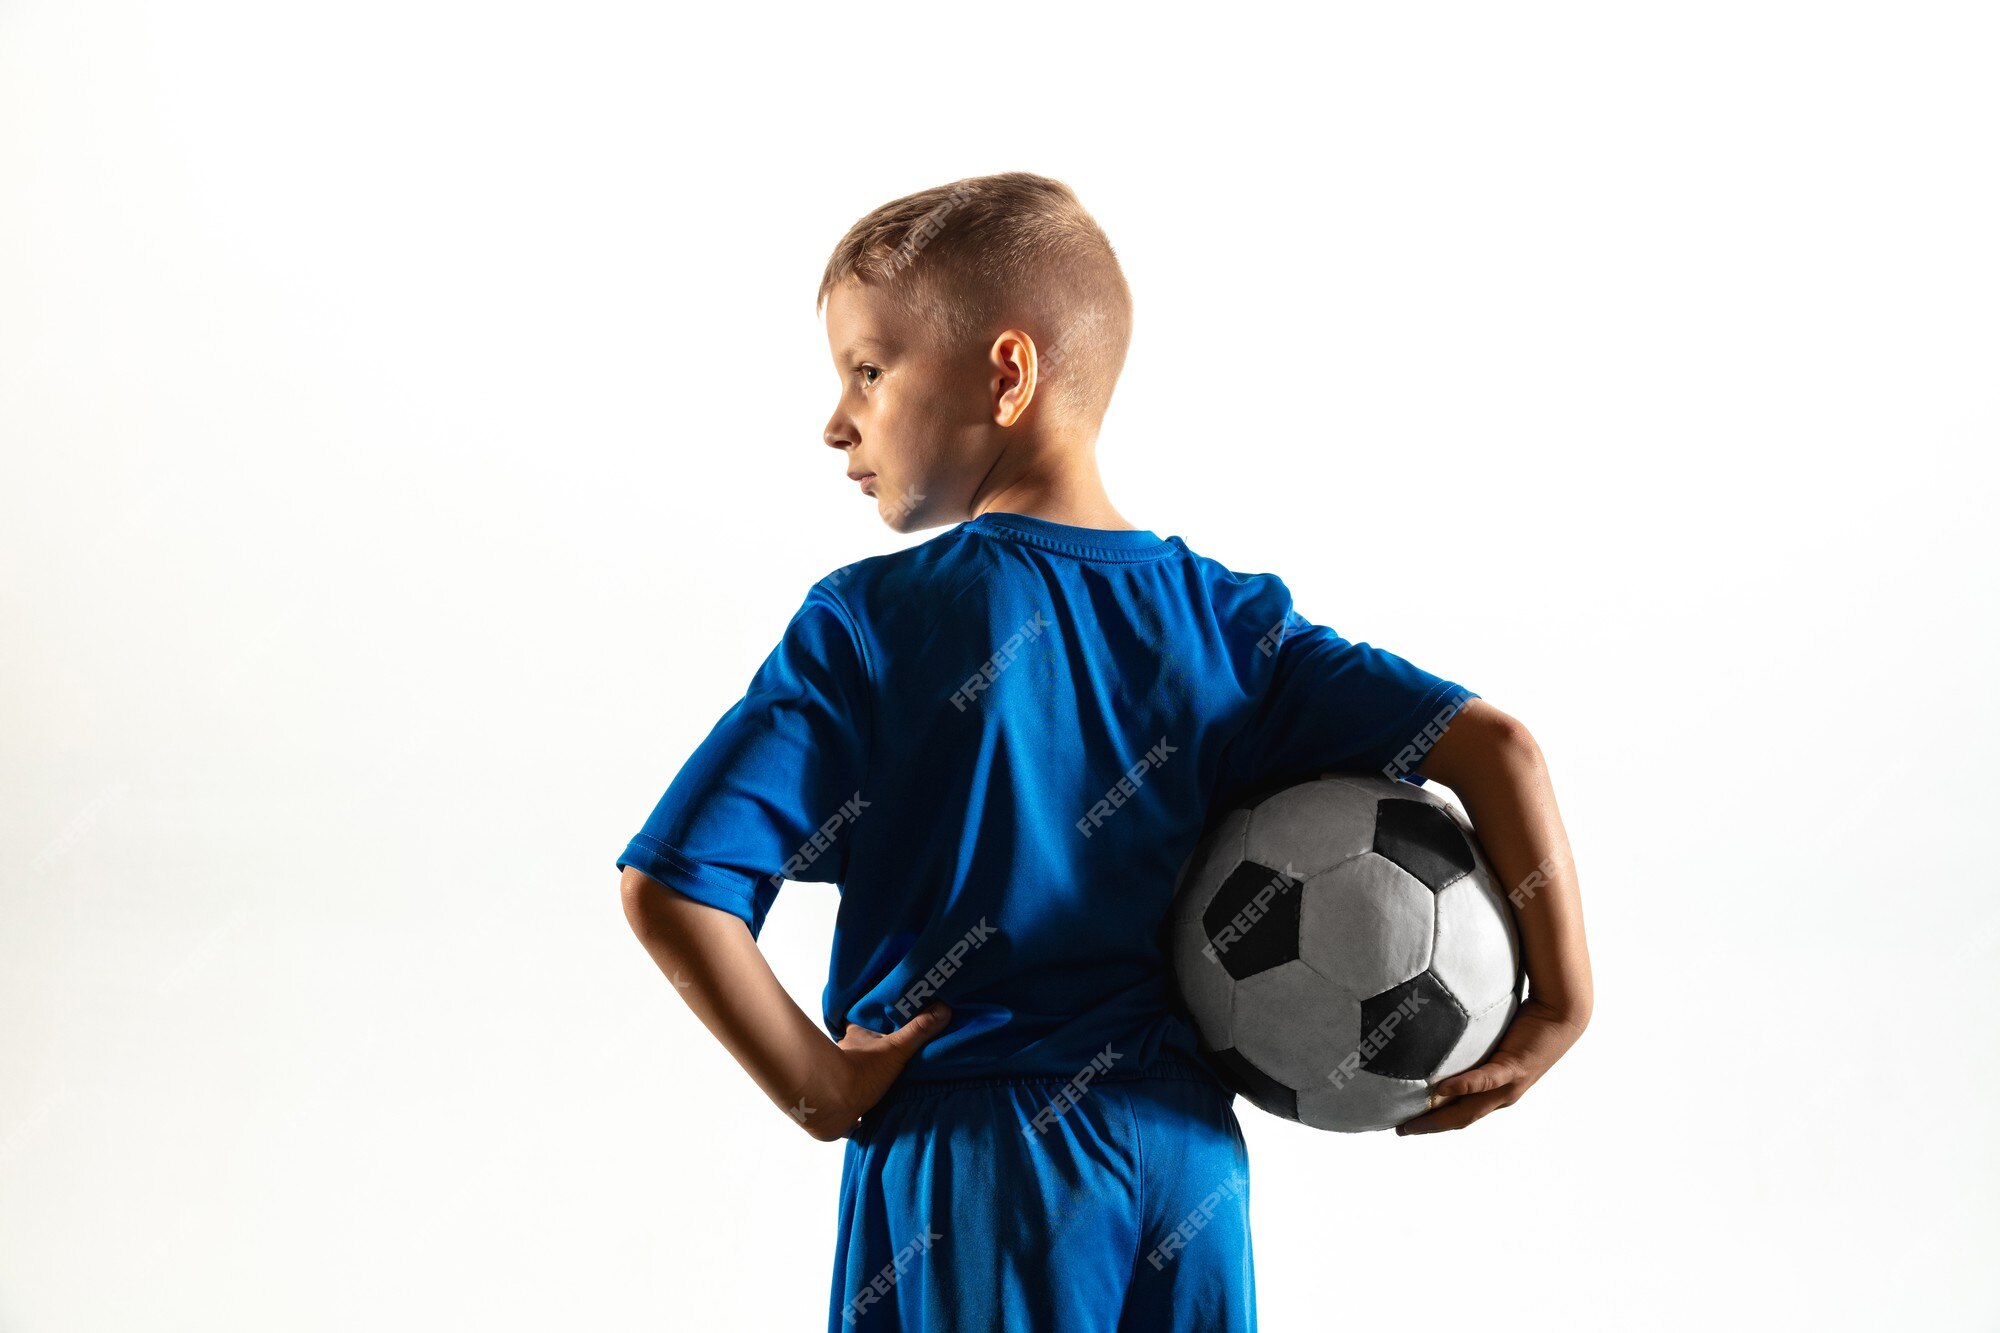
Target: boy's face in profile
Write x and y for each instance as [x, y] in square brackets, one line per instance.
[914, 418]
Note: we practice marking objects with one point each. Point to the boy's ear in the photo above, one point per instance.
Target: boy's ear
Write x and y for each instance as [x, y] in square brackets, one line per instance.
[1014, 375]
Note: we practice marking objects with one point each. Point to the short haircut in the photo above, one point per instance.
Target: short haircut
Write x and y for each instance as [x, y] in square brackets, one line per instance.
[987, 253]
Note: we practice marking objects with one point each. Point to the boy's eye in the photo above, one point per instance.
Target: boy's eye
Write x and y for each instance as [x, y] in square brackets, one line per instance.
[869, 374]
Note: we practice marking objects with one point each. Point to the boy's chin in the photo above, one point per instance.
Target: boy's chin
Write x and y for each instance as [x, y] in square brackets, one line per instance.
[906, 513]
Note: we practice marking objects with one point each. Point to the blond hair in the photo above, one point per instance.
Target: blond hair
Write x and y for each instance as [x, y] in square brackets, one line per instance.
[983, 254]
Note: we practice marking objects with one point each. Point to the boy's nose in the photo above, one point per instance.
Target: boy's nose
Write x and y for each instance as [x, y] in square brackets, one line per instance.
[839, 435]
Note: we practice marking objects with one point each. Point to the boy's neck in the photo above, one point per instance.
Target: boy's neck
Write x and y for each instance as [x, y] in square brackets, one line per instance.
[1077, 512]
[1072, 494]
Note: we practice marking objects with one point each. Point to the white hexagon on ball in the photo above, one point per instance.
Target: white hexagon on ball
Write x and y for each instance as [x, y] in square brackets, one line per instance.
[1296, 1025]
[1475, 956]
[1366, 925]
[1311, 827]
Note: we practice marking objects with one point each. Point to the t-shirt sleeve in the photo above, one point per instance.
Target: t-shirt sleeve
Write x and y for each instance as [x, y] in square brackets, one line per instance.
[1334, 704]
[768, 796]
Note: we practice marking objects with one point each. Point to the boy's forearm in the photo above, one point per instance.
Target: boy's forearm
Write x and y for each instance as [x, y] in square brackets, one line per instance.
[1495, 768]
[718, 969]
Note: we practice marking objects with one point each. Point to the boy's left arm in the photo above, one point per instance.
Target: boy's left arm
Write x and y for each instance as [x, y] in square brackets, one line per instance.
[1495, 768]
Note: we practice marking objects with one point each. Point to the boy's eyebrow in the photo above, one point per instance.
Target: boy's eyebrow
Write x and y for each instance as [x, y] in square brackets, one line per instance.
[864, 341]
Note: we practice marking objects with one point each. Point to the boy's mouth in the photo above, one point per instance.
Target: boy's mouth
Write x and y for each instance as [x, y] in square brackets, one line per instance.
[865, 478]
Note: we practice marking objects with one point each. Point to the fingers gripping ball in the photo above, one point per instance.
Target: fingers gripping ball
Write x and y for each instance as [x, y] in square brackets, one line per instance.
[1343, 946]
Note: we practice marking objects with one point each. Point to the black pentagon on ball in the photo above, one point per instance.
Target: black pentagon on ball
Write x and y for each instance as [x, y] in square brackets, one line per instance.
[1239, 1075]
[1423, 840]
[1252, 923]
[1408, 1030]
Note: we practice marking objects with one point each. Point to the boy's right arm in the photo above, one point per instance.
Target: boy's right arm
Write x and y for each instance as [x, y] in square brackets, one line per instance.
[715, 964]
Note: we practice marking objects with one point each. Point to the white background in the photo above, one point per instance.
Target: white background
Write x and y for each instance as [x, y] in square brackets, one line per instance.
[411, 419]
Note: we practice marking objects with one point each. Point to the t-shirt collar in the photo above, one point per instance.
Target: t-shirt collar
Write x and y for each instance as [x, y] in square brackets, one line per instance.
[1104, 543]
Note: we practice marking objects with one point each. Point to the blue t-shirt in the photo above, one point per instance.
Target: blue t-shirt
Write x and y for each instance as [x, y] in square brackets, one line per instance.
[1002, 744]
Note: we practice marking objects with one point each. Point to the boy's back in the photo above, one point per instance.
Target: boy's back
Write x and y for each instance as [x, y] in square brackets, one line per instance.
[1002, 744]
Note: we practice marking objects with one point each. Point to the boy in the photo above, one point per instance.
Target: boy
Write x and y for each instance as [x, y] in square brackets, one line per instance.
[1002, 744]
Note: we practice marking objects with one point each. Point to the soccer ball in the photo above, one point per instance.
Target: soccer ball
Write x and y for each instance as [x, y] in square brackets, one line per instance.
[1341, 946]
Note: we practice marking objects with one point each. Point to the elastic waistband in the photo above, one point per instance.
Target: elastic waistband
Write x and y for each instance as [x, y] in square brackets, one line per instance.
[1166, 1065]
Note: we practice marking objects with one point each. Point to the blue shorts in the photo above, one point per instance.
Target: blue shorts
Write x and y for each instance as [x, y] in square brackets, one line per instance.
[1035, 1205]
